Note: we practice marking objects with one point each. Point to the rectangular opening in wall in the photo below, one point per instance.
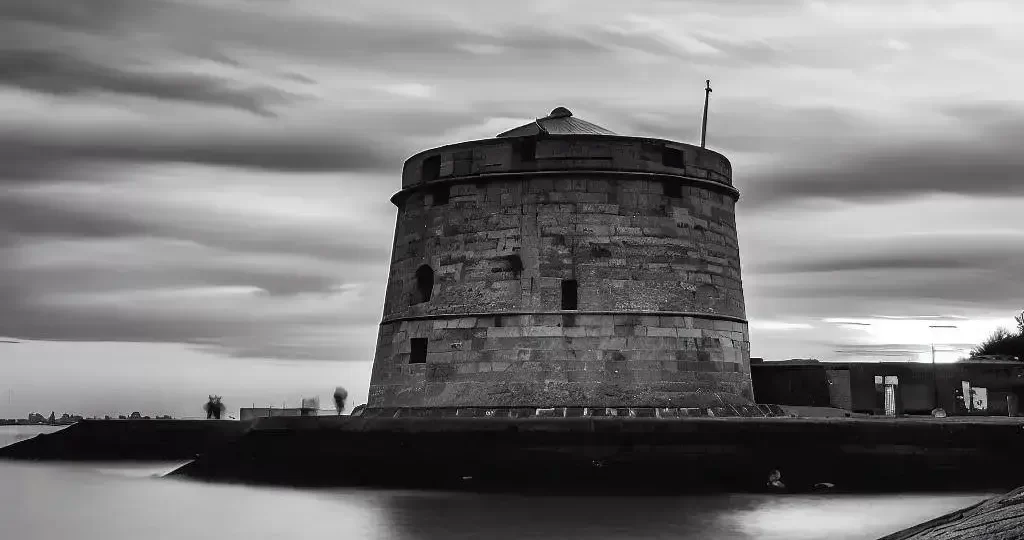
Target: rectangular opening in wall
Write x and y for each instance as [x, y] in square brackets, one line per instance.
[672, 157]
[672, 189]
[528, 149]
[570, 295]
[419, 351]
[431, 168]
[440, 195]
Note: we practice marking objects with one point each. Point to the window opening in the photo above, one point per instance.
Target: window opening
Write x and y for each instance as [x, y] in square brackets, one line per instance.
[672, 189]
[528, 149]
[431, 168]
[424, 283]
[440, 195]
[570, 296]
[418, 354]
[672, 157]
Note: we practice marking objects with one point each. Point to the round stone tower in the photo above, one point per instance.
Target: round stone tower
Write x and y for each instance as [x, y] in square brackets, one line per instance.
[562, 265]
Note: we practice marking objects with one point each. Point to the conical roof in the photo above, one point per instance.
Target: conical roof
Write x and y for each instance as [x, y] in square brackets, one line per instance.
[559, 122]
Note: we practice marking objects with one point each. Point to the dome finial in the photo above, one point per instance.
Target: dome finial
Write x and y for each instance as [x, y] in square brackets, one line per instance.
[560, 112]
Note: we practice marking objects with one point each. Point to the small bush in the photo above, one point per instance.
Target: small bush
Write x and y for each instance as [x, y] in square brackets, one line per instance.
[1001, 342]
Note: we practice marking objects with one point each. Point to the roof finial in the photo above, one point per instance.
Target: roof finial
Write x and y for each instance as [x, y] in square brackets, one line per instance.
[560, 112]
[704, 124]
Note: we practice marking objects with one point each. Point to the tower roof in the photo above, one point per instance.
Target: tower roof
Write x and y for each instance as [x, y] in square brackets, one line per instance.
[559, 122]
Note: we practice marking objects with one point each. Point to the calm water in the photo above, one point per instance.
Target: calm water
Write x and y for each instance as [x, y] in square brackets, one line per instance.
[128, 502]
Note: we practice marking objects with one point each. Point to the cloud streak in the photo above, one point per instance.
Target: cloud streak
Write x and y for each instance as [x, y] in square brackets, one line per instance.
[217, 173]
[62, 74]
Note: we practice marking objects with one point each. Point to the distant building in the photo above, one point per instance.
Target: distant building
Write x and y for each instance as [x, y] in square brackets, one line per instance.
[249, 413]
[983, 388]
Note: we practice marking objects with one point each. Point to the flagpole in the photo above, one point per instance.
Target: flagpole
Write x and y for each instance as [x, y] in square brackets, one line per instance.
[704, 124]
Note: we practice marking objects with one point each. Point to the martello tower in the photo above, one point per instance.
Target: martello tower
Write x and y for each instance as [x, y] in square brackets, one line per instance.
[562, 265]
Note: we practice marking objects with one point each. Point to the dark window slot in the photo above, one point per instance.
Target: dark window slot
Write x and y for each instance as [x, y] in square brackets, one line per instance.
[431, 168]
[528, 149]
[440, 195]
[424, 283]
[671, 157]
[418, 354]
[570, 294]
[672, 189]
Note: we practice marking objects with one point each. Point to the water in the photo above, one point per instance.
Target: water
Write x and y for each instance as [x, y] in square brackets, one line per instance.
[13, 434]
[128, 501]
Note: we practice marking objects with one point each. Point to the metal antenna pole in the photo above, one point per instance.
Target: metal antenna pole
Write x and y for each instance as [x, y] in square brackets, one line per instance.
[704, 124]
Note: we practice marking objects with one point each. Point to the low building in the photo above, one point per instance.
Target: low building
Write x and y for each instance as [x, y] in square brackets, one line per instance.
[983, 388]
[249, 413]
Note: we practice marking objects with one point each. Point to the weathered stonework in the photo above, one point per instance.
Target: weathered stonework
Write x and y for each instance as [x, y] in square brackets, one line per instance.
[501, 223]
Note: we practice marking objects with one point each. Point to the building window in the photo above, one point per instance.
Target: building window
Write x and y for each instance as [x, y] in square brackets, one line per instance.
[418, 354]
[439, 195]
[424, 283]
[570, 294]
[672, 157]
[528, 149]
[431, 168]
[672, 189]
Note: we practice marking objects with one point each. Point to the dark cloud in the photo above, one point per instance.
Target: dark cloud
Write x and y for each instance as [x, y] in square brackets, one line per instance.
[267, 300]
[745, 126]
[935, 251]
[44, 151]
[62, 74]
[89, 15]
[46, 218]
[977, 157]
[35, 218]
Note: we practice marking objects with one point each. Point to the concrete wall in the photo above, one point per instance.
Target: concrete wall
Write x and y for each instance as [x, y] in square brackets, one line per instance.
[249, 413]
[852, 385]
[801, 385]
[660, 315]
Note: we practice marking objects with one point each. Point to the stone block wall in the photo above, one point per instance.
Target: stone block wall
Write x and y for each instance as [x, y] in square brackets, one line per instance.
[652, 249]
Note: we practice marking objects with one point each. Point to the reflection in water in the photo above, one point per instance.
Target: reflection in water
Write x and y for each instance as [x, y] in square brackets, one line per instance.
[795, 517]
[45, 501]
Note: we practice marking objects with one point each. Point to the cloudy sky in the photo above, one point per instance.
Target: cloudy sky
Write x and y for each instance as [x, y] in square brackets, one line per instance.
[194, 193]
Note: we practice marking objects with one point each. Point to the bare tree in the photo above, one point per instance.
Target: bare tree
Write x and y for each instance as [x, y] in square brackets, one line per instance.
[213, 407]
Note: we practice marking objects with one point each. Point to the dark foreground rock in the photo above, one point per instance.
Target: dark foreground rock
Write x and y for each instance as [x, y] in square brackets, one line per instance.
[999, 518]
[615, 453]
[128, 440]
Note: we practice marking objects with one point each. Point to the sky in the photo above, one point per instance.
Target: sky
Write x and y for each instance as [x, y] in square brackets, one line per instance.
[194, 193]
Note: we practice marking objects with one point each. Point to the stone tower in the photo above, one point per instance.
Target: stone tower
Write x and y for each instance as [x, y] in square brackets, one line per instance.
[562, 265]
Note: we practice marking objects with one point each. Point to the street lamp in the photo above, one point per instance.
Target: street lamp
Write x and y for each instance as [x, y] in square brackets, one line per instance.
[935, 374]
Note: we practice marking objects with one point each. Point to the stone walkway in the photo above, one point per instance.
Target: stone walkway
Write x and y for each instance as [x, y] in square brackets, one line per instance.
[999, 518]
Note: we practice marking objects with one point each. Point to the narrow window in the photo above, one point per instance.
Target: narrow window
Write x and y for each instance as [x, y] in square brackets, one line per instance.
[672, 157]
[431, 168]
[419, 351]
[569, 294]
[440, 195]
[672, 189]
[528, 149]
[424, 283]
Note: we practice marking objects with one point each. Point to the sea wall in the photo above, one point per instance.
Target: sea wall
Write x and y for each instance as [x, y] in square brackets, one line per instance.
[128, 440]
[617, 453]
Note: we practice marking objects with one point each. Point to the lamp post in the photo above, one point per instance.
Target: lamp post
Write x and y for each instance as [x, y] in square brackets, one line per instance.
[935, 374]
